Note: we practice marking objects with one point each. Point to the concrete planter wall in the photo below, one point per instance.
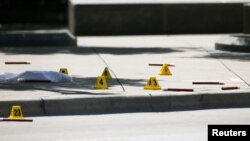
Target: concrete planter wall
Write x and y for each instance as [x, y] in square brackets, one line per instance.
[162, 18]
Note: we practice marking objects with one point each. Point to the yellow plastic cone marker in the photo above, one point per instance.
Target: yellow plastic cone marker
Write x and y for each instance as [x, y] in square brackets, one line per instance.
[63, 70]
[101, 83]
[16, 112]
[165, 70]
[152, 84]
[106, 73]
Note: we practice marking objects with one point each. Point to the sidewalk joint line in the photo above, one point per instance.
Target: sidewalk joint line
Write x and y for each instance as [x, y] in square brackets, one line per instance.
[151, 102]
[119, 82]
[218, 59]
[43, 106]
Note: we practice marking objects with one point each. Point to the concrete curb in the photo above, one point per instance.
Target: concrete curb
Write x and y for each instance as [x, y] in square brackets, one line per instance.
[32, 107]
[37, 38]
[123, 104]
[237, 43]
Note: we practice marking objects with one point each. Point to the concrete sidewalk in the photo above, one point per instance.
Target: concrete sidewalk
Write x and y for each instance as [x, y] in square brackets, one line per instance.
[128, 58]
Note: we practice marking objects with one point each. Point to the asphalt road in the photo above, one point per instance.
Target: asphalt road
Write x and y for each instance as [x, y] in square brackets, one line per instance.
[174, 126]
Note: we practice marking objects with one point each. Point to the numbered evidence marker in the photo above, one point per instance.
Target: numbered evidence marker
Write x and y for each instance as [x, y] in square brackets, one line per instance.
[106, 73]
[16, 112]
[63, 70]
[101, 83]
[152, 84]
[165, 70]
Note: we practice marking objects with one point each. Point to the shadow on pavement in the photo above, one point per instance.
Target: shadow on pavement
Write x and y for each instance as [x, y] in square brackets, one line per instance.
[227, 55]
[87, 50]
[78, 86]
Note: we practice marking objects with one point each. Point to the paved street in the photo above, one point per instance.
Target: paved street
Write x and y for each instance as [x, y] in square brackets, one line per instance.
[174, 126]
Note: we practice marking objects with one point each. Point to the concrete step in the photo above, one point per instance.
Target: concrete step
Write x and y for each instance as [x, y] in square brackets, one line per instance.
[32, 14]
[238, 43]
[111, 17]
[37, 38]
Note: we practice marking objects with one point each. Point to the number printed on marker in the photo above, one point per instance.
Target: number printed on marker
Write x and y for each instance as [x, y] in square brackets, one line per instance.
[149, 83]
[166, 69]
[155, 83]
[101, 82]
[17, 112]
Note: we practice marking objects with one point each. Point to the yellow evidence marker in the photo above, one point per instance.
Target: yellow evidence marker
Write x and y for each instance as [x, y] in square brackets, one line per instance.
[165, 70]
[152, 84]
[106, 73]
[63, 70]
[101, 83]
[16, 112]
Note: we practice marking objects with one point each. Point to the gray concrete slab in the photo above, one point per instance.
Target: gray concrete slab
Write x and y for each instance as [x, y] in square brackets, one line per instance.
[128, 58]
[188, 53]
